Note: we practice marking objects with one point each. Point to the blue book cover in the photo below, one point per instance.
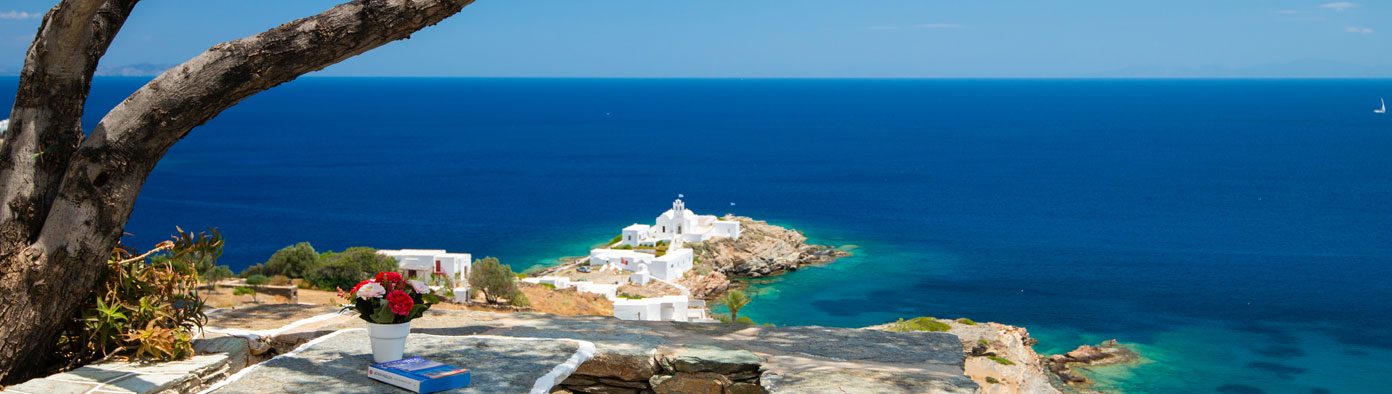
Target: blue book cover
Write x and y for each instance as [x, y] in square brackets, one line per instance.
[419, 375]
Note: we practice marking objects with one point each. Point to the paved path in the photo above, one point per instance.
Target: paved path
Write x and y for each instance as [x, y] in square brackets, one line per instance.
[337, 363]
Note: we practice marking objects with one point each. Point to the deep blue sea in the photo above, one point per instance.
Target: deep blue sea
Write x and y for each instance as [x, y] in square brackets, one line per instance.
[1238, 232]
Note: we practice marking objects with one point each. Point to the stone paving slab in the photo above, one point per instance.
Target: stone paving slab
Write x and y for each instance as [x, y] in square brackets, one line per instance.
[337, 363]
[132, 377]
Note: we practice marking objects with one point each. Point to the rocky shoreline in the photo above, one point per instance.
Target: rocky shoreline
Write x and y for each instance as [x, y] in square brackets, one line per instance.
[762, 250]
[1108, 353]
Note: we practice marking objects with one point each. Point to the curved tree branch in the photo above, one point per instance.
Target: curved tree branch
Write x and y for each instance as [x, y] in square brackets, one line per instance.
[105, 173]
[46, 121]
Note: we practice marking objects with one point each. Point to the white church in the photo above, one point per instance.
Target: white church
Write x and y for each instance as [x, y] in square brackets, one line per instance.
[675, 227]
[681, 224]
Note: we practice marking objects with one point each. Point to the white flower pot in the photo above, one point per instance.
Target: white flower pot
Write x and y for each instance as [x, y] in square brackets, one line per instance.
[388, 340]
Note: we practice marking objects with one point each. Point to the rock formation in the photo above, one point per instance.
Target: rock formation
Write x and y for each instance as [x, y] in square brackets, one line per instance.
[762, 249]
[1000, 358]
[1106, 353]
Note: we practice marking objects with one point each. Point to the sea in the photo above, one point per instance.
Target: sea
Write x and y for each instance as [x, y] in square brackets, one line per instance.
[1237, 233]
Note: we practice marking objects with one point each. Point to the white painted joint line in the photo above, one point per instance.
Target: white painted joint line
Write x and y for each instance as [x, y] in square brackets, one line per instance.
[297, 350]
[112, 380]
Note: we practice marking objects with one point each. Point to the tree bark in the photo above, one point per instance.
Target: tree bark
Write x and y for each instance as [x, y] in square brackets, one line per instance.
[65, 225]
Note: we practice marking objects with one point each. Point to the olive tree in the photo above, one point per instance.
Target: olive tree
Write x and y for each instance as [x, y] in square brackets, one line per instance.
[65, 194]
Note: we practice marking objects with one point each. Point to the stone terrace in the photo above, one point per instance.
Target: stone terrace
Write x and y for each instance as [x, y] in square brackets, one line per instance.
[628, 356]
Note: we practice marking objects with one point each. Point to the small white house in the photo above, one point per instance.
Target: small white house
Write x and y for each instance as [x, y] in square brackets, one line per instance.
[670, 266]
[423, 263]
[609, 292]
[669, 308]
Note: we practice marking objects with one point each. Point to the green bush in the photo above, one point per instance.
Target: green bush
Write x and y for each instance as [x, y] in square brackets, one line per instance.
[629, 296]
[1000, 360]
[345, 269]
[293, 261]
[616, 238]
[983, 342]
[919, 324]
[257, 279]
[142, 307]
[243, 290]
[991, 380]
[519, 299]
[624, 247]
[548, 285]
[966, 321]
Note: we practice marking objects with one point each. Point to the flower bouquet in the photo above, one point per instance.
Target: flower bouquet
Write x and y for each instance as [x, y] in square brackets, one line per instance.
[388, 303]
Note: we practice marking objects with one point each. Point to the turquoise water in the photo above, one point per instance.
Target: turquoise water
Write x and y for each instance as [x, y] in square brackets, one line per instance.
[1238, 232]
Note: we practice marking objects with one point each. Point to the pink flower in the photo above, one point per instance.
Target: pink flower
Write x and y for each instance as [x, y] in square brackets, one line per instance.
[371, 290]
[355, 288]
[419, 286]
[400, 303]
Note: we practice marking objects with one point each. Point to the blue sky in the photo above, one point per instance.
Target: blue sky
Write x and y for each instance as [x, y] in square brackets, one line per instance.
[801, 38]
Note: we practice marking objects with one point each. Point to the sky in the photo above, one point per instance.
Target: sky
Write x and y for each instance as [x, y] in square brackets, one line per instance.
[796, 38]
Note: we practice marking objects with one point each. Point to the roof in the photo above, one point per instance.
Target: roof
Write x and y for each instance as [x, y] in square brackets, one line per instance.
[636, 226]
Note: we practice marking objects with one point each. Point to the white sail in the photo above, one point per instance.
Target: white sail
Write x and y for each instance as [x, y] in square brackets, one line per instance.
[1382, 110]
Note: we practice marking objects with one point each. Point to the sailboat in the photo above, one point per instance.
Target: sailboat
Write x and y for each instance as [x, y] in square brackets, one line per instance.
[1382, 110]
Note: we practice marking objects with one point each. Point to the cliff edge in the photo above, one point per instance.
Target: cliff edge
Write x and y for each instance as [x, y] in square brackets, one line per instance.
[762, 250]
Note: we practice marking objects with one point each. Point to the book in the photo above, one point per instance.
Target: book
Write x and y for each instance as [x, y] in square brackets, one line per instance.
[419, 375]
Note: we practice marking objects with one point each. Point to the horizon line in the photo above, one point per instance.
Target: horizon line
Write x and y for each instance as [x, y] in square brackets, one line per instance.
[802, 78]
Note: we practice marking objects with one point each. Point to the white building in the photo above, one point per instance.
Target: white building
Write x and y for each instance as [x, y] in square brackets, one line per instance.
[669, 308]
[609, 292]
[679, 222]
[670, 266]
[422, 263]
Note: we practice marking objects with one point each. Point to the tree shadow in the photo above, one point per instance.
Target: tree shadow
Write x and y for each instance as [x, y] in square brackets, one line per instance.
[258, 316]
[339, 364]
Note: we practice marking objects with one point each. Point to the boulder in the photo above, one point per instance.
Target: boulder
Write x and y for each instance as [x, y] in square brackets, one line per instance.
[691, 383]
[708, 358]
[621, 366]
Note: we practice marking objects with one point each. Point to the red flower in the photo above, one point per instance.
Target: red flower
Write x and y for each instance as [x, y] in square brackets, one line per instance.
[400, 303]
[388, 278]
[354, 292]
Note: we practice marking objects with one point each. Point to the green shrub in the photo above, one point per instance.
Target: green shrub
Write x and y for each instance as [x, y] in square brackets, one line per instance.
[243, 290]
[518, 299]
[548, 285]
[304, 284]
[1000, 360]
[744, 320]
[293, 261]
[983, 342]
[624, 247]
[616, 238]
[345, 269]
[257, 279]
[141, 307]
[966, 321]
[991, 380]
[629, 296]
[919, 324]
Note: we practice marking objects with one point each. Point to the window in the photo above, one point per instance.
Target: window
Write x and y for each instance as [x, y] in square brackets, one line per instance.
[437, 266]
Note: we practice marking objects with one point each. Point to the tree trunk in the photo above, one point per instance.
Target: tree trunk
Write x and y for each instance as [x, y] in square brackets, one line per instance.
[65, 208]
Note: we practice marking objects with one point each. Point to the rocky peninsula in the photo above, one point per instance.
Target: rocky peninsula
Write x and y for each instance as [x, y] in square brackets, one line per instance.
[762, 250]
